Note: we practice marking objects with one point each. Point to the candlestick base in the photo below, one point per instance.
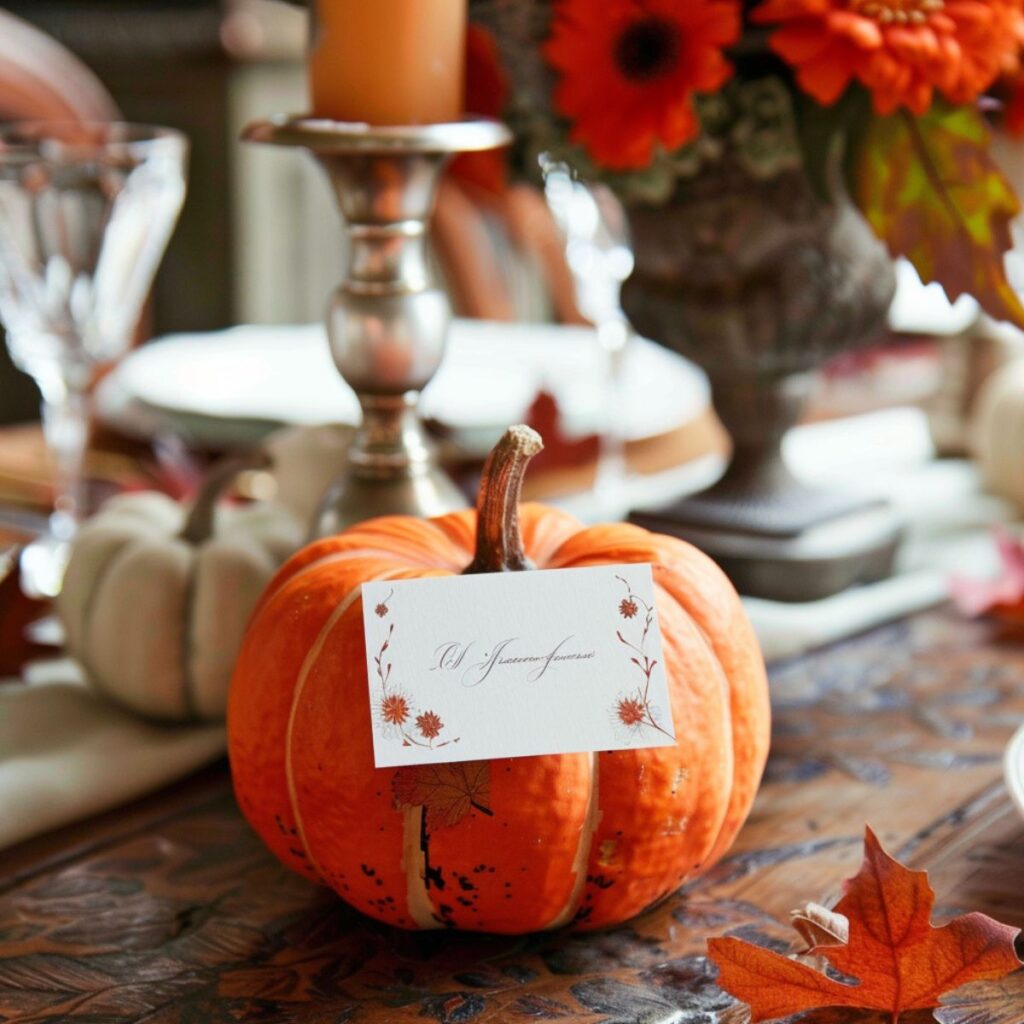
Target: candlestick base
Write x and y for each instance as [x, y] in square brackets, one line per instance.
[387, 323]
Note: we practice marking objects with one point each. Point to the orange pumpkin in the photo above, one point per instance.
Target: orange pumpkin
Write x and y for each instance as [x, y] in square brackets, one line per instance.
[510, 845]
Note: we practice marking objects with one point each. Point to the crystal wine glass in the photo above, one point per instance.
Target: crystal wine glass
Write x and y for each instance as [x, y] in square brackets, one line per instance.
[600, 258]
[86, 211]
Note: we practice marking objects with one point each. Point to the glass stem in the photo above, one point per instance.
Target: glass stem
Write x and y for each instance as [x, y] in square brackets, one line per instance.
[66, 429]
[612, 468]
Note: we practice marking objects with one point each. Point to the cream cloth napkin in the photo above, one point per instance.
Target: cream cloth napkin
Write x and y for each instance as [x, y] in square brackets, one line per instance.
[66, 754]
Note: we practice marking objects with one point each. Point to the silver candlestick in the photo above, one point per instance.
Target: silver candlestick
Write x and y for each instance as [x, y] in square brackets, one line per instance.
[388, 322]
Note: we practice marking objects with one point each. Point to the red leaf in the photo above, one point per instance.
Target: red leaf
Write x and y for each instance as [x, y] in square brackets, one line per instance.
[900, 961]
[1003, 597]
[561, 450]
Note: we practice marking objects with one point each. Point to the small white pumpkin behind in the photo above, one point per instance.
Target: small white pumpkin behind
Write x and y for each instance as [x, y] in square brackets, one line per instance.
[997, 432]
[157, 597]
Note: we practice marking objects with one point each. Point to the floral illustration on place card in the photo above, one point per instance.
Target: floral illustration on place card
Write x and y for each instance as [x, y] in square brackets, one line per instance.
[635, 711]
[396, 711]
[485, 666]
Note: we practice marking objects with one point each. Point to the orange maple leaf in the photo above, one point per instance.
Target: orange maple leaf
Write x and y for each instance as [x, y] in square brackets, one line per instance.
[901, 962]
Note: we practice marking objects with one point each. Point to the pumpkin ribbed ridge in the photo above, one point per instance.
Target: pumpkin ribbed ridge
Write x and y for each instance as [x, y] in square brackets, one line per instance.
[583, 850]
[311, 658]
[287, 573]
[421, 909]
[88, 609]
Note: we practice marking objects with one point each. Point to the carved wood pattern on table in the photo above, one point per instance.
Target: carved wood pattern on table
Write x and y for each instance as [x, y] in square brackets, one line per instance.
[173, 912]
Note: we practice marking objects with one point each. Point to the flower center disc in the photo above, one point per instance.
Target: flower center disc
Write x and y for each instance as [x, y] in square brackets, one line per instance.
[648, 48]
[897, 12]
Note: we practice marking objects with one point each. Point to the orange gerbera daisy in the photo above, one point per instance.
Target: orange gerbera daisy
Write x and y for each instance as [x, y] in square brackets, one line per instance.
[629, 69]
[901, 50]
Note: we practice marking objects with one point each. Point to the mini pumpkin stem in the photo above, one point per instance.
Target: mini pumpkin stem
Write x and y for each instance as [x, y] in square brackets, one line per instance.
[499, 544]
[199, 524]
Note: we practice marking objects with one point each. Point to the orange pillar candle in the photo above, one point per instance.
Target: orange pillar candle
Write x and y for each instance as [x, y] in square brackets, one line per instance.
[388, 61]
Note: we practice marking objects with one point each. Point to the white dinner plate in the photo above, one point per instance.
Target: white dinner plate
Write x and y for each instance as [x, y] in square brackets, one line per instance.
[230, 387]
[1013, 766]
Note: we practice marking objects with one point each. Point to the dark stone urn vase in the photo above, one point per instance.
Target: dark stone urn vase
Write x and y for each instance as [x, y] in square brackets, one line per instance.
[752, 261]
[760, 281]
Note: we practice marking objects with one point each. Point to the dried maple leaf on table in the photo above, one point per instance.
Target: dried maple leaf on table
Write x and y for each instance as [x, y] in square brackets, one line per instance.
[1001, 598]
[932, 191]
[899, 960]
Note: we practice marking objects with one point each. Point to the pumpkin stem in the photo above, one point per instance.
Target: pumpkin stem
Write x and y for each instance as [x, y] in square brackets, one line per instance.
[499, 544]
[199, 523]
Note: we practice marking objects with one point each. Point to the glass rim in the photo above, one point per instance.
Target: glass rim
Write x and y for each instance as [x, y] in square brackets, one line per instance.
[17, 136]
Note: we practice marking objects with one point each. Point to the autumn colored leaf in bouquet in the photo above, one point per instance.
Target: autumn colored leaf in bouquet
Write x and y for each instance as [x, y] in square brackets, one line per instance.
[934, 193]
[1001, 598]
[898, 960]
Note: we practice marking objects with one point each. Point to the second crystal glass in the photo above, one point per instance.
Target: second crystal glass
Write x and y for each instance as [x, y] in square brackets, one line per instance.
[598, 252]
[86, 211]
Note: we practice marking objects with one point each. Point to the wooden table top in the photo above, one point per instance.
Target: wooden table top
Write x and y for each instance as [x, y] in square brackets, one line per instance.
[170, 911]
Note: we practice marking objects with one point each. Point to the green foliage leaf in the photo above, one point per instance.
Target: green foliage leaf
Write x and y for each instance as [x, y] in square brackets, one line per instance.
[932, 191]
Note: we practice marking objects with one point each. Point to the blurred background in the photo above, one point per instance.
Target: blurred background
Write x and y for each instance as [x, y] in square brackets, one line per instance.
[260, 242]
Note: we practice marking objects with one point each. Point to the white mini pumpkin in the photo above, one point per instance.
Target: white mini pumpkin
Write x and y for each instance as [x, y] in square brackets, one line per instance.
[157, 596]
[997, 432]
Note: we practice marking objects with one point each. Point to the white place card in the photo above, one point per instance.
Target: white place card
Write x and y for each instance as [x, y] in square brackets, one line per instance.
[467, 668]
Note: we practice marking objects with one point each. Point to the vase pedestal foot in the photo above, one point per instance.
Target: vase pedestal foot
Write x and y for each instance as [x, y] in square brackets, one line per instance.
[796, 547]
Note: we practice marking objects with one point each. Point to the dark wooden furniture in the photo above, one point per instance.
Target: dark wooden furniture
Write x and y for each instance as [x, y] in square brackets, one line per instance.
[170, 911]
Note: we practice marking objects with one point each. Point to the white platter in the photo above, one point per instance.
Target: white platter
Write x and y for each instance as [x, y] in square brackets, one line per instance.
[233, 386]
[1013, 767]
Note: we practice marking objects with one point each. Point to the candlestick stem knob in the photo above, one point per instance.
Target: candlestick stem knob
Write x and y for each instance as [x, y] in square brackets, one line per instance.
[387, 322]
